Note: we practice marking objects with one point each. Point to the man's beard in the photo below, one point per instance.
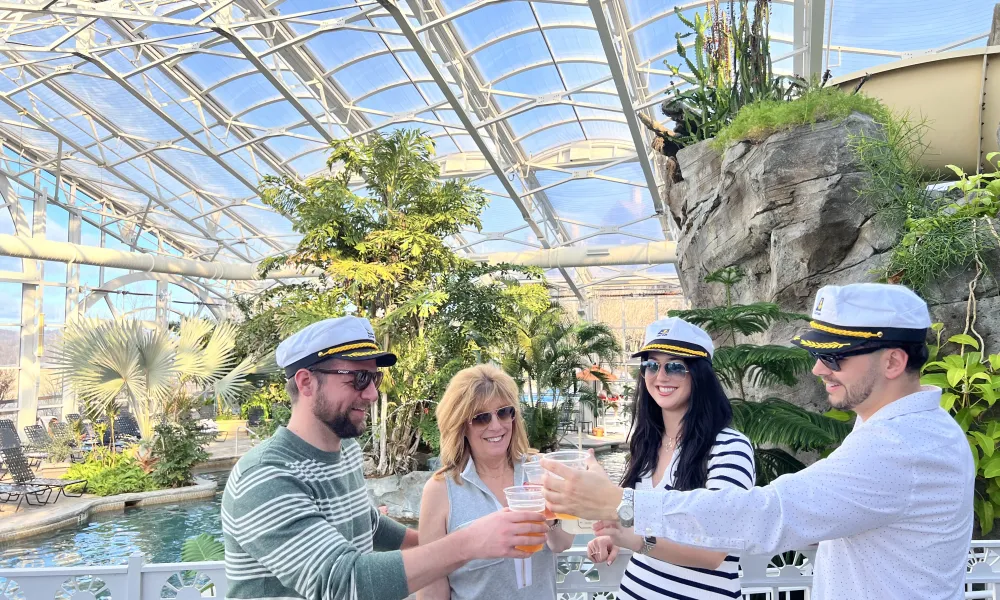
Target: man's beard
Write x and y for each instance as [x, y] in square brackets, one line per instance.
[339, 423]
[860, 391]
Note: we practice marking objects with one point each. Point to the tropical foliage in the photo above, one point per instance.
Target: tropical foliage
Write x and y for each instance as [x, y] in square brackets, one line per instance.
[109, 473]
[110, 362]
[202, 547]
[776, 428]
[951, 231]
[726, 67]
[970, 382]
[177, 448]
[543, 353]
[383, 253]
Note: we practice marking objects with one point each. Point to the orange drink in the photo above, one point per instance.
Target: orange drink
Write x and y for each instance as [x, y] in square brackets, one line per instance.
[535, 548]
[528, 498]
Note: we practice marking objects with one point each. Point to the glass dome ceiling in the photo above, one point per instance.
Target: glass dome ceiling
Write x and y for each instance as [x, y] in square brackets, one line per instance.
[168, 113]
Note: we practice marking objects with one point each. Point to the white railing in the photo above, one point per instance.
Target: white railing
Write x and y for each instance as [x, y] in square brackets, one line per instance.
[762, 577]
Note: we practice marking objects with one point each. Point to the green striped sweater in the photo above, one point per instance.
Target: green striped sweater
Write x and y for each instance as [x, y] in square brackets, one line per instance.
[298, 523]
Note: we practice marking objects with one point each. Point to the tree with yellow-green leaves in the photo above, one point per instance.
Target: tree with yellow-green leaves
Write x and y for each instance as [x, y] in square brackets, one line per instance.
[376, 224]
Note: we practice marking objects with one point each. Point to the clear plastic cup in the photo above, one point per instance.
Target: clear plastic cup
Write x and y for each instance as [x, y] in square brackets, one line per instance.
[527, 498]
[574, 459]
[533, 470]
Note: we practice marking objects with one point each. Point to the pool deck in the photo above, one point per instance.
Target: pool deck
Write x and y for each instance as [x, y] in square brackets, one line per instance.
[67, 511]
[615, 436]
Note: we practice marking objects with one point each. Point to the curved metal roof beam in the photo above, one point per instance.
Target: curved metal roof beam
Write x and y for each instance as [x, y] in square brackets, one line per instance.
[526, 30]
[553, 124]
[481, 3]
[389, 86]
[547, 63]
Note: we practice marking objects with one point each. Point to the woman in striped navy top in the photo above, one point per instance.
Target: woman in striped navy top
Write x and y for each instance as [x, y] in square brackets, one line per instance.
[680, 439]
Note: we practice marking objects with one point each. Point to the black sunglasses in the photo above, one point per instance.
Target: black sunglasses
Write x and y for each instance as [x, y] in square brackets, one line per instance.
[832, 361]
[362, 379]
[672, 369]
[485, 418]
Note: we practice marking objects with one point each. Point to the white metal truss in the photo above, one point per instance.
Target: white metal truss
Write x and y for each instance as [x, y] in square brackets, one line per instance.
[169, 112]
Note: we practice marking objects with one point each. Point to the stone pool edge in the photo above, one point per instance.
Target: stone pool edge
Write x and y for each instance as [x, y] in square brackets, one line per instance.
[75, 513]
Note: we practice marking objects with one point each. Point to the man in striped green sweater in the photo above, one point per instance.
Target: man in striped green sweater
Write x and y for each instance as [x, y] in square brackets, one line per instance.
[296, 515]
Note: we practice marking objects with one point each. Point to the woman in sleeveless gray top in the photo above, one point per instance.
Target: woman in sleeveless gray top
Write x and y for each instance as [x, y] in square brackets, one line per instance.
[483, 441]
[493, 578]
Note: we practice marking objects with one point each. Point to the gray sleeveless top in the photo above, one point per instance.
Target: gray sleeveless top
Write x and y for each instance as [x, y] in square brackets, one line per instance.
[496, 578]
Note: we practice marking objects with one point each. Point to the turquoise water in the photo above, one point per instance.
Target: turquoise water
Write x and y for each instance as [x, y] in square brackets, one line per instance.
[109, 538]
[156, 531]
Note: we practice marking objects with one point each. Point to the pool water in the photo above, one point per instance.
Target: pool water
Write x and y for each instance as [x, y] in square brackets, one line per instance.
[158, 532]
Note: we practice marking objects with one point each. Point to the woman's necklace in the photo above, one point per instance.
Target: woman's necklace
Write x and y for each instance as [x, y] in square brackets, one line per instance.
[670, 443]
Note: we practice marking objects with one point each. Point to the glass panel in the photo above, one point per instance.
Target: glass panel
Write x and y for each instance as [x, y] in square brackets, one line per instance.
[8, 391]
[50, 393]
[56, 223]
[54, 305]
[10, 303]
[55, 272]
[53, 343]
[10, 346]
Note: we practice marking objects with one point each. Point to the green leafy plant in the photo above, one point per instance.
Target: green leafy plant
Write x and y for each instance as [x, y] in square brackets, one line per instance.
[177, 448]
[970, 384]
[384, 254]
[429, 431]
[109, 473]
[202, 547]
[941, 234]
[104, 361]
[730, 68]
[542, 425]
[776, 428]
[64, 443]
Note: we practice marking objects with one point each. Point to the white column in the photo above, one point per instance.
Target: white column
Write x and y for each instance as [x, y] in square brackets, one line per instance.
[31, 299]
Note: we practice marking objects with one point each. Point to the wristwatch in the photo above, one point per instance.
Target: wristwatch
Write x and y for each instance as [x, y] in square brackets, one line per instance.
[647, 544]
[626, 510]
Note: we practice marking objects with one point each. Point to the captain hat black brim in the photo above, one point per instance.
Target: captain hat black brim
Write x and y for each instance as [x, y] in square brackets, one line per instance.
[827, 338]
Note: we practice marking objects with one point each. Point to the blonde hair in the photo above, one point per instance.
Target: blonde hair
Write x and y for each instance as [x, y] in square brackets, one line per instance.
[469, 393]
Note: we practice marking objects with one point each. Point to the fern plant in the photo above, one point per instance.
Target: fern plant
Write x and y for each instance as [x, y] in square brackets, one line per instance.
[776, 428]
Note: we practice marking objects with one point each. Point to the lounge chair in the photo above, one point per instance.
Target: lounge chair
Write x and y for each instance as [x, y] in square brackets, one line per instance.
[17, 463]
[255, 417]
[10, 437]
[9, 491]
[127, 427]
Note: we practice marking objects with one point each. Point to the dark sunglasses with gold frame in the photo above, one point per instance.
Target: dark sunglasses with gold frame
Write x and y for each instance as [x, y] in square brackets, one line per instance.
[504, 415]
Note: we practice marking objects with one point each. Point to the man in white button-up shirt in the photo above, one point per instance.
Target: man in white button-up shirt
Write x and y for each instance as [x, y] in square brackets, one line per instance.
[891, 507]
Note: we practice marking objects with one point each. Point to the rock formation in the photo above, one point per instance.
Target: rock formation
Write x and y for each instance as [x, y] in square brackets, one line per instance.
[787, 211]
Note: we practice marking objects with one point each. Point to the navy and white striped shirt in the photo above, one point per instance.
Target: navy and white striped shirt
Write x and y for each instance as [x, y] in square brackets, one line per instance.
[730, 465]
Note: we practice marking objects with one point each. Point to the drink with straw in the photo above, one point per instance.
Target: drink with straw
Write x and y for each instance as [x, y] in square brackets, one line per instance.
[528, 498]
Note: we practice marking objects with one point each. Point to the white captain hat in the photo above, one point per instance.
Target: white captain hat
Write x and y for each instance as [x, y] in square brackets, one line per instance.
[864, 314]
[347, 338]
[677, 337]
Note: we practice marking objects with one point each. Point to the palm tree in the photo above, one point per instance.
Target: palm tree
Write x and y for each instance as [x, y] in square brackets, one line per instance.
[545, 353]
[777, 428]
[106, 362]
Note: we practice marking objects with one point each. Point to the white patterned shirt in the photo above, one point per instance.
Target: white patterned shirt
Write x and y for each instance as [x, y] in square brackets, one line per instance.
[891, 509]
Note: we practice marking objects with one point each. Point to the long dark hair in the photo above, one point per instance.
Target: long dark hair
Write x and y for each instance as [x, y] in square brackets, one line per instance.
[708, 413]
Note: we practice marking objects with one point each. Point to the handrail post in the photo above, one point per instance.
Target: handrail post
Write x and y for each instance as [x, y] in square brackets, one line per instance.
[134, 577]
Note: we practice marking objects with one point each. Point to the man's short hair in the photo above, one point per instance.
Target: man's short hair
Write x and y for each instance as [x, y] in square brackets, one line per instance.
[292, 389]
[916, 356]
